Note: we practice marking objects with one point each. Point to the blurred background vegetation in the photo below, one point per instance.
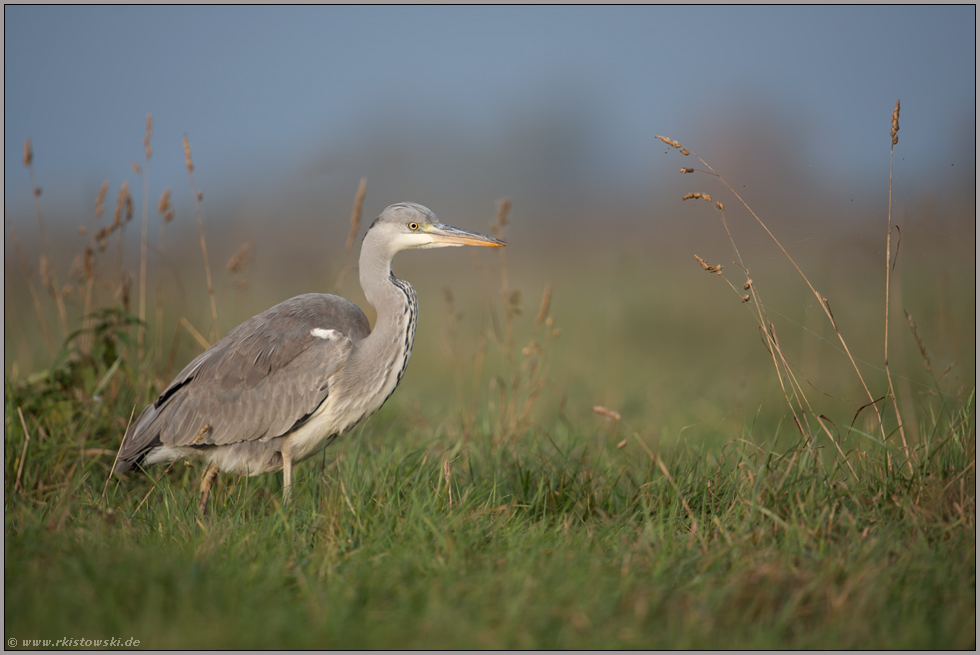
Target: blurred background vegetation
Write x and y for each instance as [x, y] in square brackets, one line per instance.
[643, 328]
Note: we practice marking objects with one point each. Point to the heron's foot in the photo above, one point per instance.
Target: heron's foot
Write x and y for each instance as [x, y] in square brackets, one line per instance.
[210, 475]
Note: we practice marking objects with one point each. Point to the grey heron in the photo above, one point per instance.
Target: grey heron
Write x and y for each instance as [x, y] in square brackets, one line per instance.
[284, 384]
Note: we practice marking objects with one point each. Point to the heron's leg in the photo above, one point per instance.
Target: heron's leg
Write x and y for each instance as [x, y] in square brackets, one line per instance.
[209, 477]
[287, 479]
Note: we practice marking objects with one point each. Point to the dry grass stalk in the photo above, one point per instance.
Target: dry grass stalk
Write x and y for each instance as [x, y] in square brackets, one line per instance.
[200, 228]
[533, 369]
[36, 191]
[99, 238]
[545, 304]
[115, 460]
[888, 274]
[30, 284]
[122, 216]
[165, 209]
[197, 336]
[526, 378]
[677, 490]
[926, 361]
[148, 152]
[453, 316]
[355, 225]
[502, 218]
[153, 488]
[447, 474]
[23, 454]
[792, 390]
[188, 161]
[824, 303]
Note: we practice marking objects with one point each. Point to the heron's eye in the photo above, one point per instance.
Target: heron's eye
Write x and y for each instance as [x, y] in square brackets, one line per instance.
[413, 226]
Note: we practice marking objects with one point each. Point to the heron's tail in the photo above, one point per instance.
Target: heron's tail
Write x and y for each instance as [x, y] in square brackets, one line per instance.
[139, 439]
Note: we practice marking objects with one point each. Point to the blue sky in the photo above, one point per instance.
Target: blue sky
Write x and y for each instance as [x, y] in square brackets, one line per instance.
[267, 94]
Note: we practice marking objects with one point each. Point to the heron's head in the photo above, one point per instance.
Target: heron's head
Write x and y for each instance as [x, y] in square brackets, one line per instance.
[407, 226]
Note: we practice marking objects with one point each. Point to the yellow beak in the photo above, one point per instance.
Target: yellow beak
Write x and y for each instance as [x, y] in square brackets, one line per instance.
[453, 236]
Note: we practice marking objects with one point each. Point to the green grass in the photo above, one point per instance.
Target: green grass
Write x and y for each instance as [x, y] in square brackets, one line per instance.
[551, 542]
[702, 518]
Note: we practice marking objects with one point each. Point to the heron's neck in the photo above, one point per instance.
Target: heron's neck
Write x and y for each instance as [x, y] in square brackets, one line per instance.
[396, 304]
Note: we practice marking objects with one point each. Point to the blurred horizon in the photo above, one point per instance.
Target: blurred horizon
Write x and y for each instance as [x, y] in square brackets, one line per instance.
[454, 107]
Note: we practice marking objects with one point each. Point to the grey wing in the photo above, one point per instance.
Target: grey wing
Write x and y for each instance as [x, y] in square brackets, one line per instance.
[264, 379]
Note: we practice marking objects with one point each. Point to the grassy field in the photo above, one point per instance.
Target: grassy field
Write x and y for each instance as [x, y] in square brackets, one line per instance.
[600, 463]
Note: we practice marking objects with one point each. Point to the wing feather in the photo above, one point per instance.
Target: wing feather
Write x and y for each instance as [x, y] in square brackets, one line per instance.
[262, 380]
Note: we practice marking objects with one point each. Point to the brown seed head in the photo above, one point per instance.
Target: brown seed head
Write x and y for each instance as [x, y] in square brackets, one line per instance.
[238, 261]
[698, 195]
[101, 198]
[669, 142]
[545, 304]
[894, 133]
[748, 284]
[711, 268]
[202, 433]
[355, 216]
[720, 205]
[608, 413]
[136, 168]
[687, 170]
[685, 152]
[28, 152]
[746, 297]
[129, 205]
[82, 230]
[149, 135]
[123, 200]
[187, 155]
[163, 205]
[531, 349]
